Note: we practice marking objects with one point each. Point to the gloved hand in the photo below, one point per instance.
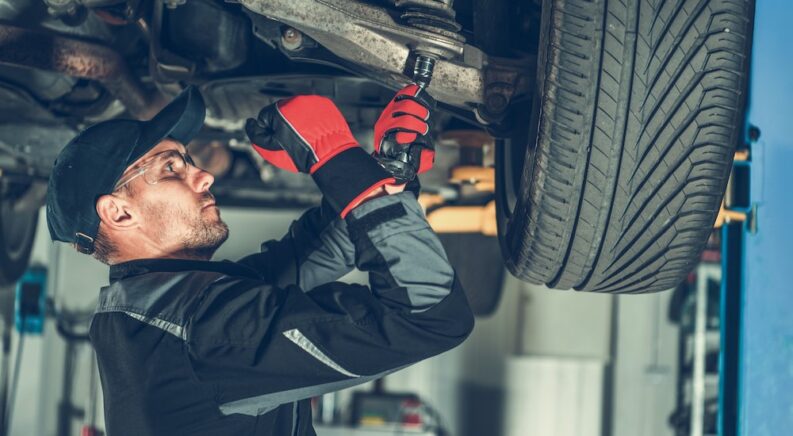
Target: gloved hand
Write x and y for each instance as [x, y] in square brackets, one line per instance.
[400, 134]
[308, 134]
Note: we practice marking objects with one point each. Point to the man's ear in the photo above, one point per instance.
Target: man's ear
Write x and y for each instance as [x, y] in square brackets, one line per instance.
[115, 212]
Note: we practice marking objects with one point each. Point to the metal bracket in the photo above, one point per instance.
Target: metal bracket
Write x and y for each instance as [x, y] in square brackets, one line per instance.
[369, 37]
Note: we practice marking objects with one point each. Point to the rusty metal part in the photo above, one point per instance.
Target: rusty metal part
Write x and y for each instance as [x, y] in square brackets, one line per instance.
[457, 84]
[465, 219]
[368, 27]
[63, 54]
[369, 36]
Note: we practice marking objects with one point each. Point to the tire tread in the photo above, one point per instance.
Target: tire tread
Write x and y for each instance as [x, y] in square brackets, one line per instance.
[641, 112]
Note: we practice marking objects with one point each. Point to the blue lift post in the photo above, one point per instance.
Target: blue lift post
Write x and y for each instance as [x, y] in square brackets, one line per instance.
[757, 360]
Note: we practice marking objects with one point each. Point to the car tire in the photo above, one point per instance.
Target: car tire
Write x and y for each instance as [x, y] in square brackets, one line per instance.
[17, 232]
[615, 182]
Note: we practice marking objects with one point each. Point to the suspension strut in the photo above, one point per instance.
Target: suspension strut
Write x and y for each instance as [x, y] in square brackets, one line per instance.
[435, 16]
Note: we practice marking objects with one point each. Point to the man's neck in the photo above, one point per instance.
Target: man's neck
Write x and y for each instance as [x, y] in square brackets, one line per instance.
[185, 254]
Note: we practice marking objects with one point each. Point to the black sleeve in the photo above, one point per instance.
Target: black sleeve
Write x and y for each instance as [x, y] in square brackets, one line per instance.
[261, 346]
[315, 250]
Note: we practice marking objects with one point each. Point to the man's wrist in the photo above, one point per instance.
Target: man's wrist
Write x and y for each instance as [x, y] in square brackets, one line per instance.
[382, 191]
[349, 178]
[377, 190]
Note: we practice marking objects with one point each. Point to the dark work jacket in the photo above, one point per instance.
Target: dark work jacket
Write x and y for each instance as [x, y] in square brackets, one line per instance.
[237, 348]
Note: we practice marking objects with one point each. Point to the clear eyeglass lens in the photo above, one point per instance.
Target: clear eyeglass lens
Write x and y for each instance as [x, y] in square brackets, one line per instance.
[169, 165]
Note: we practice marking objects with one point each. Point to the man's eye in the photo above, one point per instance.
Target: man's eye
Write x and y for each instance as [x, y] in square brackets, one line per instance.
[170, 167]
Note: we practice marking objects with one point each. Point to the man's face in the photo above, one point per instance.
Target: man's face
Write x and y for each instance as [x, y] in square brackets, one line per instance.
[177, 213]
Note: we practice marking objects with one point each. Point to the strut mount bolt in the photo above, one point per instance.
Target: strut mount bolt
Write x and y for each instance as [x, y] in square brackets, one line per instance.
[422, 71]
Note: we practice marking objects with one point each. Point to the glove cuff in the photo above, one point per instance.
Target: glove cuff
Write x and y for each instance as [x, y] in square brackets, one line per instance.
[349, 177]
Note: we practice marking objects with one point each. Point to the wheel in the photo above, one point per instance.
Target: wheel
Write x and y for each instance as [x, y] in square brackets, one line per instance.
[18, 224]
[614, 184]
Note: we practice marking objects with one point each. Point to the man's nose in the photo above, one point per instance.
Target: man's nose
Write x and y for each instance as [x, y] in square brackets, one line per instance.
[203, 180]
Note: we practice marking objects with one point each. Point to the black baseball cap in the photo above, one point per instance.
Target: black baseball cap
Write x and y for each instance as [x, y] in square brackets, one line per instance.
[91, 164]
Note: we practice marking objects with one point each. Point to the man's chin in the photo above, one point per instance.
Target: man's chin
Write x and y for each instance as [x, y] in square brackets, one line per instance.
[204, 244]
[220, 235]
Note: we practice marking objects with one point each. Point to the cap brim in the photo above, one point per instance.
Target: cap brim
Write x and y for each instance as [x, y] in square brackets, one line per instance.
[181, 120]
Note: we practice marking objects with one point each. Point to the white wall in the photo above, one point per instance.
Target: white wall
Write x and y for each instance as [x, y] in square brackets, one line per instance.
[538, 367]
[646, 366]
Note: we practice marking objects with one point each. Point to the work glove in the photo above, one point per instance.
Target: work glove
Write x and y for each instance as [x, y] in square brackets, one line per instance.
[401, 134]
[308, 134]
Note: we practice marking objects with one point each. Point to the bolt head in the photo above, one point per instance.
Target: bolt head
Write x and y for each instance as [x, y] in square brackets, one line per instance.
[291, 38]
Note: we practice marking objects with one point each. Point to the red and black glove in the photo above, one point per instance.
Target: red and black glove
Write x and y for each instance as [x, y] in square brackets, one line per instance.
[308, 134]
[401, 139]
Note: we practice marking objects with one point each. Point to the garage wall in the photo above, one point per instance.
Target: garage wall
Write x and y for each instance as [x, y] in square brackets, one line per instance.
[645, 371]
[546, 364]
[541, 354]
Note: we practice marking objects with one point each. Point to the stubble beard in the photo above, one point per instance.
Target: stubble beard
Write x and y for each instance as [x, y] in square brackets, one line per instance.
[202, 237]
[205, 238]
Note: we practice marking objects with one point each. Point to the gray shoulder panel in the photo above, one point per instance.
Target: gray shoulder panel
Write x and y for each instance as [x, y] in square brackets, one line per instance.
[161, 300]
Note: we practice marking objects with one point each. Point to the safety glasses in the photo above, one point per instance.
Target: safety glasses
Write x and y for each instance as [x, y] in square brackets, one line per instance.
[170, 164]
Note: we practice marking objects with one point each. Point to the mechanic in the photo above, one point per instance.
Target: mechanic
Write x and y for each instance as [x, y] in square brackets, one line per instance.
[189, 346]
